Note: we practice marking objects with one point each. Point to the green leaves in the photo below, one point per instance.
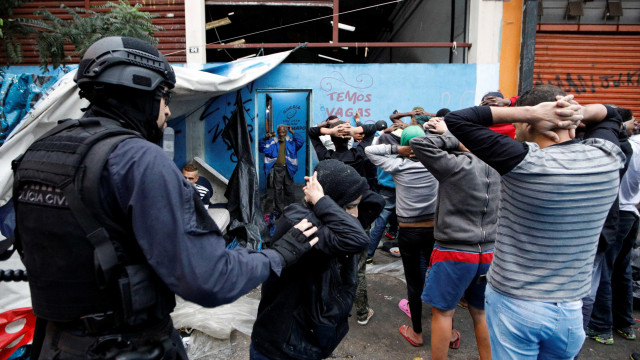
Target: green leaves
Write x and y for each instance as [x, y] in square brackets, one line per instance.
[83, 29]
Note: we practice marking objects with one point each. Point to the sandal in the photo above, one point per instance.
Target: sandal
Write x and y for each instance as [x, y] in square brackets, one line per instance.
[455, 343]
[404, 335]
[463, 303]
[404, 306]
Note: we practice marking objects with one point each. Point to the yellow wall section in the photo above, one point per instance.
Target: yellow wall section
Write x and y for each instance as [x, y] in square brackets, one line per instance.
[510, 47]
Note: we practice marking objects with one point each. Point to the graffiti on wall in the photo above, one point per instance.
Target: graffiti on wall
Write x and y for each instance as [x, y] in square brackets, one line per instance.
[346, 98]
[219, 119]
[295, 117]
[578, 84]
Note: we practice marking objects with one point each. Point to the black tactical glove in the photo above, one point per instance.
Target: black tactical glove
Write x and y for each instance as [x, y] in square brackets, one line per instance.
[291, 246]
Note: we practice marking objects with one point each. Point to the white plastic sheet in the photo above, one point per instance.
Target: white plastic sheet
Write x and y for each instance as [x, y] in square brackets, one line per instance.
[394, 269]
[240, 315]
[216, 322]
[204, 347]
[193, 88]
[13, 294]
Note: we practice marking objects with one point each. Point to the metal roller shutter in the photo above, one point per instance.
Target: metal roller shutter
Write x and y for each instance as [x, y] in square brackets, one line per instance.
[596, 68]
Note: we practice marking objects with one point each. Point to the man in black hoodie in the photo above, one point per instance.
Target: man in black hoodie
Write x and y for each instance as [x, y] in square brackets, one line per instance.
[303, 314]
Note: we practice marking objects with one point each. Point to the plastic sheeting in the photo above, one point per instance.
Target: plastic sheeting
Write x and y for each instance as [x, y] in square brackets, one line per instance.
[13, 294]
[18, 95]
[193, 88]
[394, 269]
[243, 189]
[204, 347]
[240, 315]
[216, 322]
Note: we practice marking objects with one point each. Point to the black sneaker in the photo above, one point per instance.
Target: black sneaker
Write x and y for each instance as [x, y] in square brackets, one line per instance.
[369, 261]
[627, 333]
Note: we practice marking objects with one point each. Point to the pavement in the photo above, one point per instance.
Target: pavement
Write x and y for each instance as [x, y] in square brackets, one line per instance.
[380, 340]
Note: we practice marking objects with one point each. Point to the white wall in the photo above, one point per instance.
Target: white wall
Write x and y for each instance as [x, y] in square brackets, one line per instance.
[485, 26]
[196, 37]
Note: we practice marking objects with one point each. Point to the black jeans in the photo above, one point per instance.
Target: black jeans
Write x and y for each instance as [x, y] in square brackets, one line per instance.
[282, 188]
[414, 244]
[614, 300]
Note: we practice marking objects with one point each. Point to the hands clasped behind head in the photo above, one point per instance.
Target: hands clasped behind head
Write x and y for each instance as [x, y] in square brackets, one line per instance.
[563, 114]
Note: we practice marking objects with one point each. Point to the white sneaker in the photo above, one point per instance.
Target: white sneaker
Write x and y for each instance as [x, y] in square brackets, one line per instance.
[366, 321]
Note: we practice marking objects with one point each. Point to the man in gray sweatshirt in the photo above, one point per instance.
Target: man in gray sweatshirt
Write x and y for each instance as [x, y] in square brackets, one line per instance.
[466, 223]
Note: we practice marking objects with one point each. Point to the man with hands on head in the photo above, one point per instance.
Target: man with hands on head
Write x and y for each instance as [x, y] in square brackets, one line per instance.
[464, 236]
[341, 132]
[416, 190]
[387, 189]
[418, 116]
[281, 159]
[556, 193]
[495, 98]
[303, 314]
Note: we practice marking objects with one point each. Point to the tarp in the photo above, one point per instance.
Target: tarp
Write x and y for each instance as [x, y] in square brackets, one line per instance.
[243, 189]
[193, 88]
[18, 94]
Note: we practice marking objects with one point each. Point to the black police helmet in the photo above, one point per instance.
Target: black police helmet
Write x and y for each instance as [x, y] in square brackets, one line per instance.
[124, 61]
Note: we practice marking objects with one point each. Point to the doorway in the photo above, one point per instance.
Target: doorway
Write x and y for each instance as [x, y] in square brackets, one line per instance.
[287, 107]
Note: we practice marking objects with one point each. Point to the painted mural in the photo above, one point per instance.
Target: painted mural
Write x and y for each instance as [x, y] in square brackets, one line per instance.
[373, 90]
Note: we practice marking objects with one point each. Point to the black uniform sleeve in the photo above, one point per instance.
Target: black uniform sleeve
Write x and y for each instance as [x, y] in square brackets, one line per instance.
[174, 231]
[470, 127]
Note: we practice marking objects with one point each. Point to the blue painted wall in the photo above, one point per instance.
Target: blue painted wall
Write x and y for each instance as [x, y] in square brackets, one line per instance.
[374, 90]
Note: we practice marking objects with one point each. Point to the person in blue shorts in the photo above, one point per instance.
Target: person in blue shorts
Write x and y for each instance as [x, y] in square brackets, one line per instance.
[464, 235]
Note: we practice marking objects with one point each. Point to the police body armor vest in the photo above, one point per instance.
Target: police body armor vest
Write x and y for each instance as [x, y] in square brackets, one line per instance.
[81, 257]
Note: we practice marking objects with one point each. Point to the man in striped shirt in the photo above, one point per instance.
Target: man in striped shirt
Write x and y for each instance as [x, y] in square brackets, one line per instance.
[556, 193]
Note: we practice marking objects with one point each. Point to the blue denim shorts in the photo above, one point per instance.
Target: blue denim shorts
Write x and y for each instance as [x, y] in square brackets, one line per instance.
[454, 273]
[528, 330]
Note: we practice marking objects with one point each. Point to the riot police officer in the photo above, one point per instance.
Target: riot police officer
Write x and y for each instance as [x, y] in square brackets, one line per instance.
[108, 228]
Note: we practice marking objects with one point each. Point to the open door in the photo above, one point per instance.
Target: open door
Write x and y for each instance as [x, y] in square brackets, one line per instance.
[288, 107]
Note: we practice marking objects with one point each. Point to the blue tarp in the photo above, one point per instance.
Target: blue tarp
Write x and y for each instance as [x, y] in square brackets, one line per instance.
[18, 94]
